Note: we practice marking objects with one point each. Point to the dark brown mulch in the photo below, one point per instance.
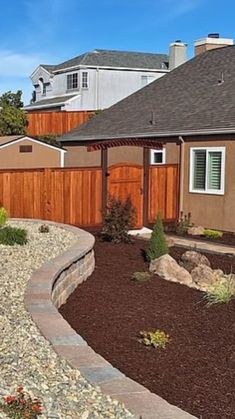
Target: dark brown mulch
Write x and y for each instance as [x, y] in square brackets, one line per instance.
[196, 370]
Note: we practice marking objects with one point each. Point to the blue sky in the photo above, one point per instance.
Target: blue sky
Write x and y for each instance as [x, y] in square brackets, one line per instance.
[52, 31]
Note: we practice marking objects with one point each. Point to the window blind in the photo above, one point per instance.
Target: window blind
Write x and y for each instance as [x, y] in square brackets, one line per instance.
[214, 170]
[199, 169]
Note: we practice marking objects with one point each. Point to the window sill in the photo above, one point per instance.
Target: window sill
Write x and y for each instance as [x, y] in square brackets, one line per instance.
[208, 192]
[72, 90]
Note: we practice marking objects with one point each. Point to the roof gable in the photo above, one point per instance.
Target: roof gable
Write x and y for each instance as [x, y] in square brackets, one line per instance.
[11, 140]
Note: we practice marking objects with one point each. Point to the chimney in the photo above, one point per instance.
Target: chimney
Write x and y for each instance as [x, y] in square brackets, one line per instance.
[212, 41]
[177, 54]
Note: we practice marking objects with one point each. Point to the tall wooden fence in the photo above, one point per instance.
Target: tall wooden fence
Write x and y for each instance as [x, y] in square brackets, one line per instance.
[71, 196]
[56, 123]
[74, 195]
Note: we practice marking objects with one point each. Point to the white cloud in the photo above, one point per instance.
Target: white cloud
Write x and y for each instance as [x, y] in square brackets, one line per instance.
[180, 7]
[15, 64]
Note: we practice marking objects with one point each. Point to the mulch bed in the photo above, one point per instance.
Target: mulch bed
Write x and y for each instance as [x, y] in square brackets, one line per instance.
[196, 370]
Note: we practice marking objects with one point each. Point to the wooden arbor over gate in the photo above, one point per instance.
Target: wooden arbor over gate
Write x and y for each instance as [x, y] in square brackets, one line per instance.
[151, 188]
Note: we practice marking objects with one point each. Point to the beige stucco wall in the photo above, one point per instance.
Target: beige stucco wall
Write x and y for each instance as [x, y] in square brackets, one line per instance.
[212, 211]
[41, 156]
[78, 156]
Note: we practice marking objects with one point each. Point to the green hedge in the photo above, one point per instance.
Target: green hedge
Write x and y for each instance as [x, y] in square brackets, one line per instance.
[13, 235]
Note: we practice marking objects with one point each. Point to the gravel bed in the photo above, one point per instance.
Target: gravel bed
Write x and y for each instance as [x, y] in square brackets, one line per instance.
[26, 357]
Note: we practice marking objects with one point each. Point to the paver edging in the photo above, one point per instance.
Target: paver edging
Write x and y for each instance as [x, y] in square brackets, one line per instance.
[48, 288]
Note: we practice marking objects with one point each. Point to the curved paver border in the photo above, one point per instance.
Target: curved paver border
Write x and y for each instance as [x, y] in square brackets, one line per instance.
[51, 285]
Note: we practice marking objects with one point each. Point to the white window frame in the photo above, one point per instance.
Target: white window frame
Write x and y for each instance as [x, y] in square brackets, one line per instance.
[152, 152]
[191, 171]
[71, 75]
[87, 80]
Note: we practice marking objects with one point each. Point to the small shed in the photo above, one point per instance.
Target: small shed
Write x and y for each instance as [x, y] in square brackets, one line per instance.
[23, 152]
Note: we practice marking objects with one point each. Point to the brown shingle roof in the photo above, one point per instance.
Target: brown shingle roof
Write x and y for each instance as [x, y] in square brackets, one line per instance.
[198, 95]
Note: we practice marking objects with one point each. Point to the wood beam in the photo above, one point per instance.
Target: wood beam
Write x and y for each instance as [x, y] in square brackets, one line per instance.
[146, 156]
[104, 166]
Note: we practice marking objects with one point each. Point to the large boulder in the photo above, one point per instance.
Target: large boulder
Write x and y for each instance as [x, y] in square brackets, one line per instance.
[167, 268]
[196, 231]
[203, 276]
[191, 259]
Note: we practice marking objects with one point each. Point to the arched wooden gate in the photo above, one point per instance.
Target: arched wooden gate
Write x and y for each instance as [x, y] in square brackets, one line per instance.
[126, 180]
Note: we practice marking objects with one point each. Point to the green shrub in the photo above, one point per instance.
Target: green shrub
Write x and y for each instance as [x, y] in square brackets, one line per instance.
[156, 338]
[12, 235]
[158, 245]
[221, 292]
[141, 276]
[183, 223]
[119, 218]
[44, 228]
[3, 216]
[212, 234]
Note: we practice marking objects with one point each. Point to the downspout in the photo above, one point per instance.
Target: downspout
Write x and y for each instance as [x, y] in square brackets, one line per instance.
[181, 182]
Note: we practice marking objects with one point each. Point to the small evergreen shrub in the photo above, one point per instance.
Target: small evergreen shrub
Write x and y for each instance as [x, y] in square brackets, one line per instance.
[13, 235]
[44, 228]
[3, 216]
[158, 245]
[212, 234]
[141, 276]
[221, 292]
[119, 218]
[157, 338]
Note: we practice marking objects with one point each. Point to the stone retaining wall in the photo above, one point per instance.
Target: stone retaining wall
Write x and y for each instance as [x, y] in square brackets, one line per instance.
[48, 288]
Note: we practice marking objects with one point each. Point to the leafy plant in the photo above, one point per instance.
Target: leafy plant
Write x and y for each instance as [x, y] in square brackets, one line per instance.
[3, 216]
[157, 338]
[158, 245]
[141, 276]
[13, 119]
[212, 234]
[221, 292]
[44, 228]
[183, 223]
[49, 139]
[21, 405]
[119, 218]
[13, 235]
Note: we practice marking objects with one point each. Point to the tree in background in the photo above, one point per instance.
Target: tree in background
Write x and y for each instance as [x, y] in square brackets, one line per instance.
[13, 119]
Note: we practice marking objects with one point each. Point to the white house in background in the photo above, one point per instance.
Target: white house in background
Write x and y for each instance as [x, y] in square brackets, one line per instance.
[98, 79]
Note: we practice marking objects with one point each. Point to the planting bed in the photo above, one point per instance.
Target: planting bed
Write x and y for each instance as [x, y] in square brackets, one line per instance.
[196, 370]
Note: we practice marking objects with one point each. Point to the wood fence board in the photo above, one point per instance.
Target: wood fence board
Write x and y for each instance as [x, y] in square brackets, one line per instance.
[163, 192]
[57, 122]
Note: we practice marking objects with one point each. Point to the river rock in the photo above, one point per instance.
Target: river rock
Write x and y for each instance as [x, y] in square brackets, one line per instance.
[191, 259]
[196, 231]
[167, 268]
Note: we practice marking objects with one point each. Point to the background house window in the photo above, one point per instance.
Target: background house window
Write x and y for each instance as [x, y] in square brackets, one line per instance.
[158, 156]
[72, 81]
[207, 167]
[25, 149]
[43, 86]
[146, 80]
[85, 80]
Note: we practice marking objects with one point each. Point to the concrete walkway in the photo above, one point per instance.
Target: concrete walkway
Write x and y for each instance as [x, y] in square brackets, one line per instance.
[195, 244]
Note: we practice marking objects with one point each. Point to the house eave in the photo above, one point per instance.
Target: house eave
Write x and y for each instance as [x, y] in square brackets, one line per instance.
[83, 66]
[158, 134]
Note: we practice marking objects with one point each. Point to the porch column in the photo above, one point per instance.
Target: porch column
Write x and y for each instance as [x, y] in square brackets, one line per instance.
[145, 185]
